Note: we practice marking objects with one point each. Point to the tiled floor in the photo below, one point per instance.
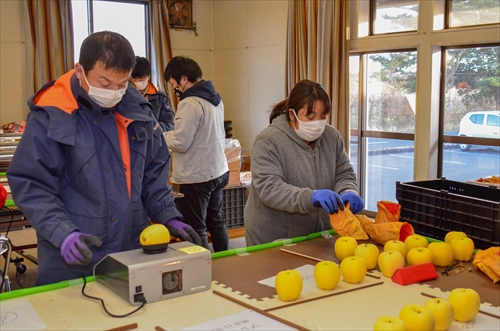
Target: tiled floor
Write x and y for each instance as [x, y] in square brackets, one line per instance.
[27, 236]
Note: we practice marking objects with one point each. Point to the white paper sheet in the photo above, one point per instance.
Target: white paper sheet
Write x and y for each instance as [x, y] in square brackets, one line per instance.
[19, 314]
[246, 320]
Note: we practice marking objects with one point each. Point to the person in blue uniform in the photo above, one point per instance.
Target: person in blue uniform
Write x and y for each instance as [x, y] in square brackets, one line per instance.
[141, 78]
[91, 170]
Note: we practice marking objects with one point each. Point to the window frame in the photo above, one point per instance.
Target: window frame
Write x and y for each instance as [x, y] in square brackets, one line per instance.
[146, 3]
[431, 39]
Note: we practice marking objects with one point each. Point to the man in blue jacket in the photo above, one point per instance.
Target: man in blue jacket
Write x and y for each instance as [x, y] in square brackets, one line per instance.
[91, 169]
[159, 100]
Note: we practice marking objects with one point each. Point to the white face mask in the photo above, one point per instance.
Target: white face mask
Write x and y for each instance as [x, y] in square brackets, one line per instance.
[310, 130]
[104, 97]
[141, 85]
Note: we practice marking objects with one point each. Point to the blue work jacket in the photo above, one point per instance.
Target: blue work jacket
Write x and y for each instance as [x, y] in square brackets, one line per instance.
[73, 171]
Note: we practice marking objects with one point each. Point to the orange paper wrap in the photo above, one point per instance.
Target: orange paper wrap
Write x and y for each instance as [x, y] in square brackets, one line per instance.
[346, 224]
[387, 212]
[488, 261]
[383, 232]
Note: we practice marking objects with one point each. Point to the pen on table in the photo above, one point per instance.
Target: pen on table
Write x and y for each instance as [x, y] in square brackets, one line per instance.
[124, 327]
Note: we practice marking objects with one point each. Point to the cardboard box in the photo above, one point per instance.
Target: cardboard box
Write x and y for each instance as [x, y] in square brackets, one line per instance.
[234, 178]
[245, 162]
[234, 165]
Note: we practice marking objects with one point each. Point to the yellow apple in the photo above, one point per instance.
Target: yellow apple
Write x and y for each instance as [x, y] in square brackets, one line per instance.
[369, 253]
[389, 262]
[442, 253]
[454, 235]
[465, 302]
[419, 255]
[396, 245]
[344, 247]
[415, 240]
[353, 269]
[463, 248]
[389, 323]
[417, 317]
[154, 234]
[289, 284]
[327, 275]
[443, 312]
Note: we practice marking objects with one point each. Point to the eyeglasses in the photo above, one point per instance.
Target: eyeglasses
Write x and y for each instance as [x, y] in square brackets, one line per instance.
[453, 269]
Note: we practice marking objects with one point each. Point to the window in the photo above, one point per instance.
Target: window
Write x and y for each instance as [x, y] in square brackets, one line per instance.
[382, 151]
[471, 110]
[129, 18]
[493, 120]
[395, 16]
[477, 119]
[411, 125]
[473, 12]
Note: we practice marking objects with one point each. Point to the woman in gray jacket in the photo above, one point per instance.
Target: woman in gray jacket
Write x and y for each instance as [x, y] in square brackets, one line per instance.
[301, 172]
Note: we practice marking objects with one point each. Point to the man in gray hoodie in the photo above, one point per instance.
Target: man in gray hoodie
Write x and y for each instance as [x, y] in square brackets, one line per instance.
[197, 144]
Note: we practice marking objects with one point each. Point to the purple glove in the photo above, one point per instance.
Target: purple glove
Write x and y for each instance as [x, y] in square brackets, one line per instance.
[75, 249]
[183, 231]
[329, 200]
[356, 204]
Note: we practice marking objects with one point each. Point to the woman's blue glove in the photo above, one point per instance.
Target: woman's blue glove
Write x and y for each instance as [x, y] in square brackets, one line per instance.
[329, 200]
[75, 248]
[183, 231]
[356, 204]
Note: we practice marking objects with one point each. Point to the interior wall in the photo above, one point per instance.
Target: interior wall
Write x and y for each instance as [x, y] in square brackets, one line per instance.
[240, 47]
[15, 80]
[249, 39]
[197, 47]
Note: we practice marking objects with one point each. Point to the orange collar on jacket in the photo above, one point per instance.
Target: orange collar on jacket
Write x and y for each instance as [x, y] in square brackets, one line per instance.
[59, 94]
[151, 88]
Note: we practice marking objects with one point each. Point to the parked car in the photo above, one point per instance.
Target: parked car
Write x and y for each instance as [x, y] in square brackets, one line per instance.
[483, 124]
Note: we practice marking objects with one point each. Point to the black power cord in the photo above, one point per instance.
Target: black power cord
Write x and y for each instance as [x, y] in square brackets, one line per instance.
[102, 302]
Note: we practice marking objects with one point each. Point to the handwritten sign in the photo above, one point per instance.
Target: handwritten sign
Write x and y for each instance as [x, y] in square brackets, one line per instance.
[246, 320]
[19, 314]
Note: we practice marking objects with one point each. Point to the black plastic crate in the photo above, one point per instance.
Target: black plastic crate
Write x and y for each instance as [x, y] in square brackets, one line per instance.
[435, 207]
[233, 204]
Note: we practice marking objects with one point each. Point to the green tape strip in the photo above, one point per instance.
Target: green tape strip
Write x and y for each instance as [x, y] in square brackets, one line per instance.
[241, 250]
[255, 248]
[230, 252]
[9, 203]
[44, 288]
